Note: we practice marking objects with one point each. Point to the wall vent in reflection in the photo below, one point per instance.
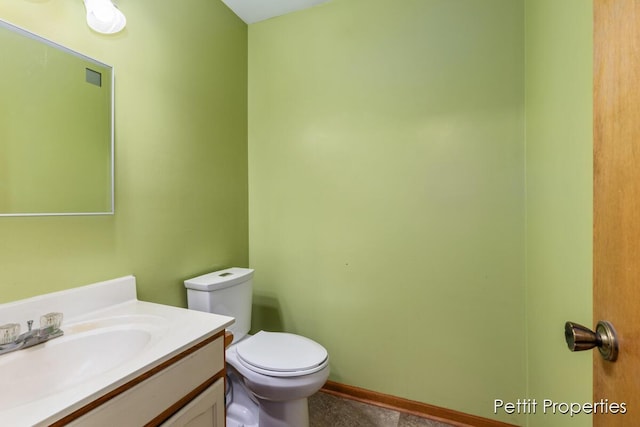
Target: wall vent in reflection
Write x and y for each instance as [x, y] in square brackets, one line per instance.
[94, 77]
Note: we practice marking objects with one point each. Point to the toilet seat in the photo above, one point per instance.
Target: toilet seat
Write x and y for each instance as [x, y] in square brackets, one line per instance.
[280, 354]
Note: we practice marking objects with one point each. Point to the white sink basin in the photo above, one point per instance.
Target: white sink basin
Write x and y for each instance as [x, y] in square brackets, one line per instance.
[63, 362]
[110, 338]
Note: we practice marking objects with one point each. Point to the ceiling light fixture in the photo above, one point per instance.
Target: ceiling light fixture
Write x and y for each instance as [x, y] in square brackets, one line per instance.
[104, 17]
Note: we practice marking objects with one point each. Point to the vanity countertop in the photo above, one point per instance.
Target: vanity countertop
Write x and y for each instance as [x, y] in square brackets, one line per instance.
[110, 338]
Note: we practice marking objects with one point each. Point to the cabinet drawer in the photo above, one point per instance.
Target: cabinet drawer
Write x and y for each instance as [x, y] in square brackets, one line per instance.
[206, 410]
[145, 401]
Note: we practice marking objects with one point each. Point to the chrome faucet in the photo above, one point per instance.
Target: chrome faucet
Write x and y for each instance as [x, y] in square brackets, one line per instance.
[12, 340]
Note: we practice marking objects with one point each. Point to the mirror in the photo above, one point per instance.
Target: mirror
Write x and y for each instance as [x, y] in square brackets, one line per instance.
[56, 129]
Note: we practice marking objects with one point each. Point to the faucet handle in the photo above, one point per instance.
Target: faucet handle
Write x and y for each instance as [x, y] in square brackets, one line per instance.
[51, 320]
[9, 333]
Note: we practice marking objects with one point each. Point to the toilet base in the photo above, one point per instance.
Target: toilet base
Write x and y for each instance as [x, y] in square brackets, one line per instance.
[242, 410]
[284, 414]
[277, 415]
[240, 416]
[246, 410]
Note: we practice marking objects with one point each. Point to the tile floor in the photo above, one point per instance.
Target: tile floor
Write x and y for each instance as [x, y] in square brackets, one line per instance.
[326, 410]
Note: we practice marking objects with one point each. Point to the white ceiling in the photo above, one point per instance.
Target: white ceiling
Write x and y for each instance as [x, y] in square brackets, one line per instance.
[251, 11]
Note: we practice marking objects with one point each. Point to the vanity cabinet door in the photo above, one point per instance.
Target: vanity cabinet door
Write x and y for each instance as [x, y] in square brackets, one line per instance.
[206, 410]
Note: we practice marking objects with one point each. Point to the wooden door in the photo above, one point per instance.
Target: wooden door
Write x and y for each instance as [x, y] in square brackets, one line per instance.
[616, 287]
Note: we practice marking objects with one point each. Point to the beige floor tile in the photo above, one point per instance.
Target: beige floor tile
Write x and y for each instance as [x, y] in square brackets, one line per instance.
[326, 410]
[329, 411]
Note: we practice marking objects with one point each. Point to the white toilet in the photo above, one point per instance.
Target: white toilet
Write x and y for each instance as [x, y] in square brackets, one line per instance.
[270, 374]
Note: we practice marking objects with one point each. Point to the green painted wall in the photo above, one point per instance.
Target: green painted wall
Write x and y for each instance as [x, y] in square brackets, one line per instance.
[559, 199]
[181, 153]
[386, 183]
[386, 193]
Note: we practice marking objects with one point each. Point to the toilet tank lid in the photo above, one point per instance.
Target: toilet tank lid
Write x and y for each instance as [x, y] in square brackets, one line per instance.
[219, 279]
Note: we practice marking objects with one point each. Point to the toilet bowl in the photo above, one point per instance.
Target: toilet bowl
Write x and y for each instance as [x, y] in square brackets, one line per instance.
[270, 374]
[280, 371]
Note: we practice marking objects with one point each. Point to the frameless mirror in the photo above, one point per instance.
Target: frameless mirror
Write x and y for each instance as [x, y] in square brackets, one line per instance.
[56, 128]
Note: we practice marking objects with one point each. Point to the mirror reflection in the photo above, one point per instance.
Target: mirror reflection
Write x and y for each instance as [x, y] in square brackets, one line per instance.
[56, 128]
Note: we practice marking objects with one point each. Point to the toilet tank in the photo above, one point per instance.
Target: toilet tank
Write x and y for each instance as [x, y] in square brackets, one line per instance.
[226, 292]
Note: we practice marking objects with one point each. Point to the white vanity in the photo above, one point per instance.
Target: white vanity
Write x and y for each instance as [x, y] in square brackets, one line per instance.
[120, 362]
